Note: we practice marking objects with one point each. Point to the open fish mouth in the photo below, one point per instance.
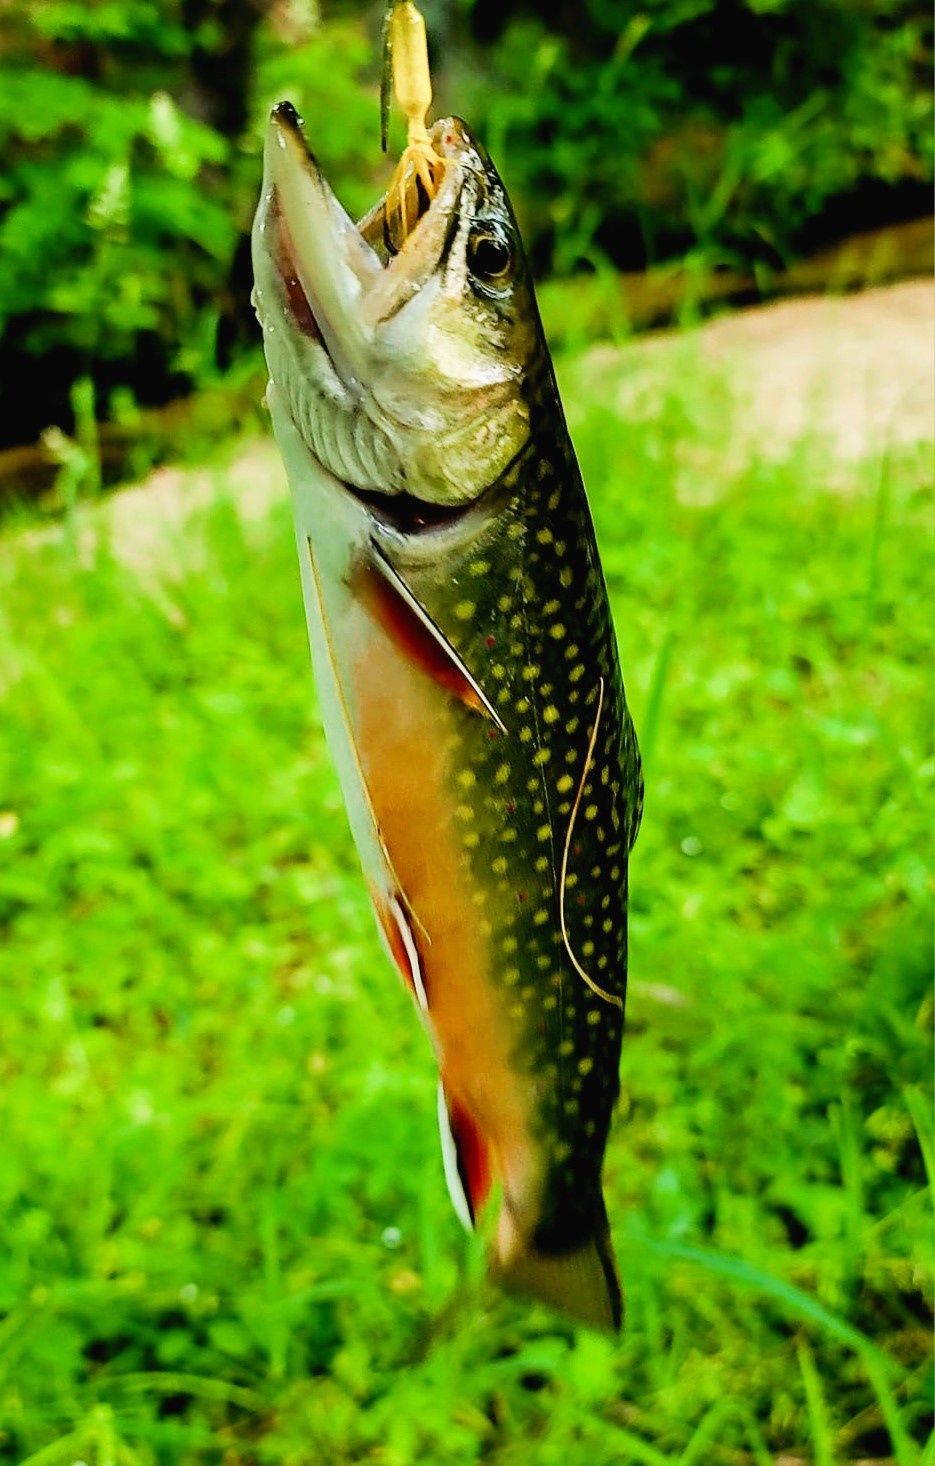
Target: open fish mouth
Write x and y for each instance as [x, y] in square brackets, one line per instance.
[394, 386]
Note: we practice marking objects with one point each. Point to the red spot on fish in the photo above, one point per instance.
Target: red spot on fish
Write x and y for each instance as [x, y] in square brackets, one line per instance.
[576, 848]
[491, 641]
[580, 900]
[511, 807]
[491, 734]
[521, 896]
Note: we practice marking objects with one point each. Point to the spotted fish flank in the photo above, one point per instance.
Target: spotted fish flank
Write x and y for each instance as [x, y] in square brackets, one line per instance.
[469, 679]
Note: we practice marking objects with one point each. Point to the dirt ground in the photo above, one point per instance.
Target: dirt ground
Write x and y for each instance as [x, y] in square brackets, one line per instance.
[857, 370]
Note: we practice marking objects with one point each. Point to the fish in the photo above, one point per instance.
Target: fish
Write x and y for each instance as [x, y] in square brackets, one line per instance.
[468, 675]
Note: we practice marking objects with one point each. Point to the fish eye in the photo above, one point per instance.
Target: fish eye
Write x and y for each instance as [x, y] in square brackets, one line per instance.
[489, 257]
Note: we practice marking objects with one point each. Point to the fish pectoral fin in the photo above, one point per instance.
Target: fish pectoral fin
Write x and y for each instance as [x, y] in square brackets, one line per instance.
[423, 643]
[466, 1158]
[582, 1282]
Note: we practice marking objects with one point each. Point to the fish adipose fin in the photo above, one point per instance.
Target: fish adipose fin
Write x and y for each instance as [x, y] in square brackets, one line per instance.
[582, 1283]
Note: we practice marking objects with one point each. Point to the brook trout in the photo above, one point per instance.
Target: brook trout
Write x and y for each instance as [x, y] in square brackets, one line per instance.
[469, 677]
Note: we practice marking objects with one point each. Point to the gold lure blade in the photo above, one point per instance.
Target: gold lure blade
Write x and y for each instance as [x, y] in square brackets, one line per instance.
[419, 173]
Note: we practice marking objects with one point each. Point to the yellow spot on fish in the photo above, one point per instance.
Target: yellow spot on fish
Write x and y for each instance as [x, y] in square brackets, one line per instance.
[571, 651]
[577, 672]
[607, 926]
[550, 714]
[522, 705]
[564, 784]
[551, 607]
[498, 866]
[538, 806]
[557, 631]
[464, 610]
[516, 622]
[566, 576]
[466, 778]
[525, 734]
[544, 536]
[571, 879]
[585, 1066]
[508, 834]
[471, 839]
[590, 811]
[504, 603]
[543, 832]
[594, 1016]
[587, 948]
[531, 672]
[509, 944]
[550, 1002]
[498, 670]
[541, 756]
[542, 863]
[540, 917]
[478, 567]
[567, 1047]
[464, 812]
[516, 530]
[562, 1150]
[502, 774]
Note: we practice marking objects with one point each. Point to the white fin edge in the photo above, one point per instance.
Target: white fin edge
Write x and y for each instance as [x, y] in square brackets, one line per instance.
[394, 579]
[456, 1191]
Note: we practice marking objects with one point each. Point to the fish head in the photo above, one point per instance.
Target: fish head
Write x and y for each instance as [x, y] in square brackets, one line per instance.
[403, 371]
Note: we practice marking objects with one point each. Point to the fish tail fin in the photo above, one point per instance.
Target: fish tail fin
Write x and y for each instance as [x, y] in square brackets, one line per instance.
[582, 1283]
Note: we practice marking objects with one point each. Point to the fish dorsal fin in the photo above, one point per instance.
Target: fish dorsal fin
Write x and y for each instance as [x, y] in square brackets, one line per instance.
[465, 1158]
[409, 625]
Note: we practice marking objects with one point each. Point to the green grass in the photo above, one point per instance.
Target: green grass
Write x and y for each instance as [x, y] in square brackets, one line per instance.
[225, 1233]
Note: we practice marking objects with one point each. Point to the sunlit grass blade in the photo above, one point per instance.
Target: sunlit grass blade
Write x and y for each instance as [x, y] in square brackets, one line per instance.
[921, 1114]
[707, 1433]
[817, 1410]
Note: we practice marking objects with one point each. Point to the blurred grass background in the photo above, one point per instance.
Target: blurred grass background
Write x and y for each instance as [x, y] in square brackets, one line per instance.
[224, 1231]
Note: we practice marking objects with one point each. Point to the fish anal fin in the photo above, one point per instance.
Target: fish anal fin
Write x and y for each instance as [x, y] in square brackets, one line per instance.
[581, 1283]
[466, 1158]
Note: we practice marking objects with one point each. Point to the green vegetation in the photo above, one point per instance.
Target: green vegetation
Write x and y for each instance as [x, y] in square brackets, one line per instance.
[226, 1237]
[734, 132]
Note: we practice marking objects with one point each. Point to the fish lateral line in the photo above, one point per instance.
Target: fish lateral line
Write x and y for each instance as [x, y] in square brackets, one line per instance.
[418, 636]
[600, 992]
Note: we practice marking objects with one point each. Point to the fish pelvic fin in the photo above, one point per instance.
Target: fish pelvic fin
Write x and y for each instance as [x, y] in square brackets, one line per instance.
[582, 1283]
[466, 1158]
